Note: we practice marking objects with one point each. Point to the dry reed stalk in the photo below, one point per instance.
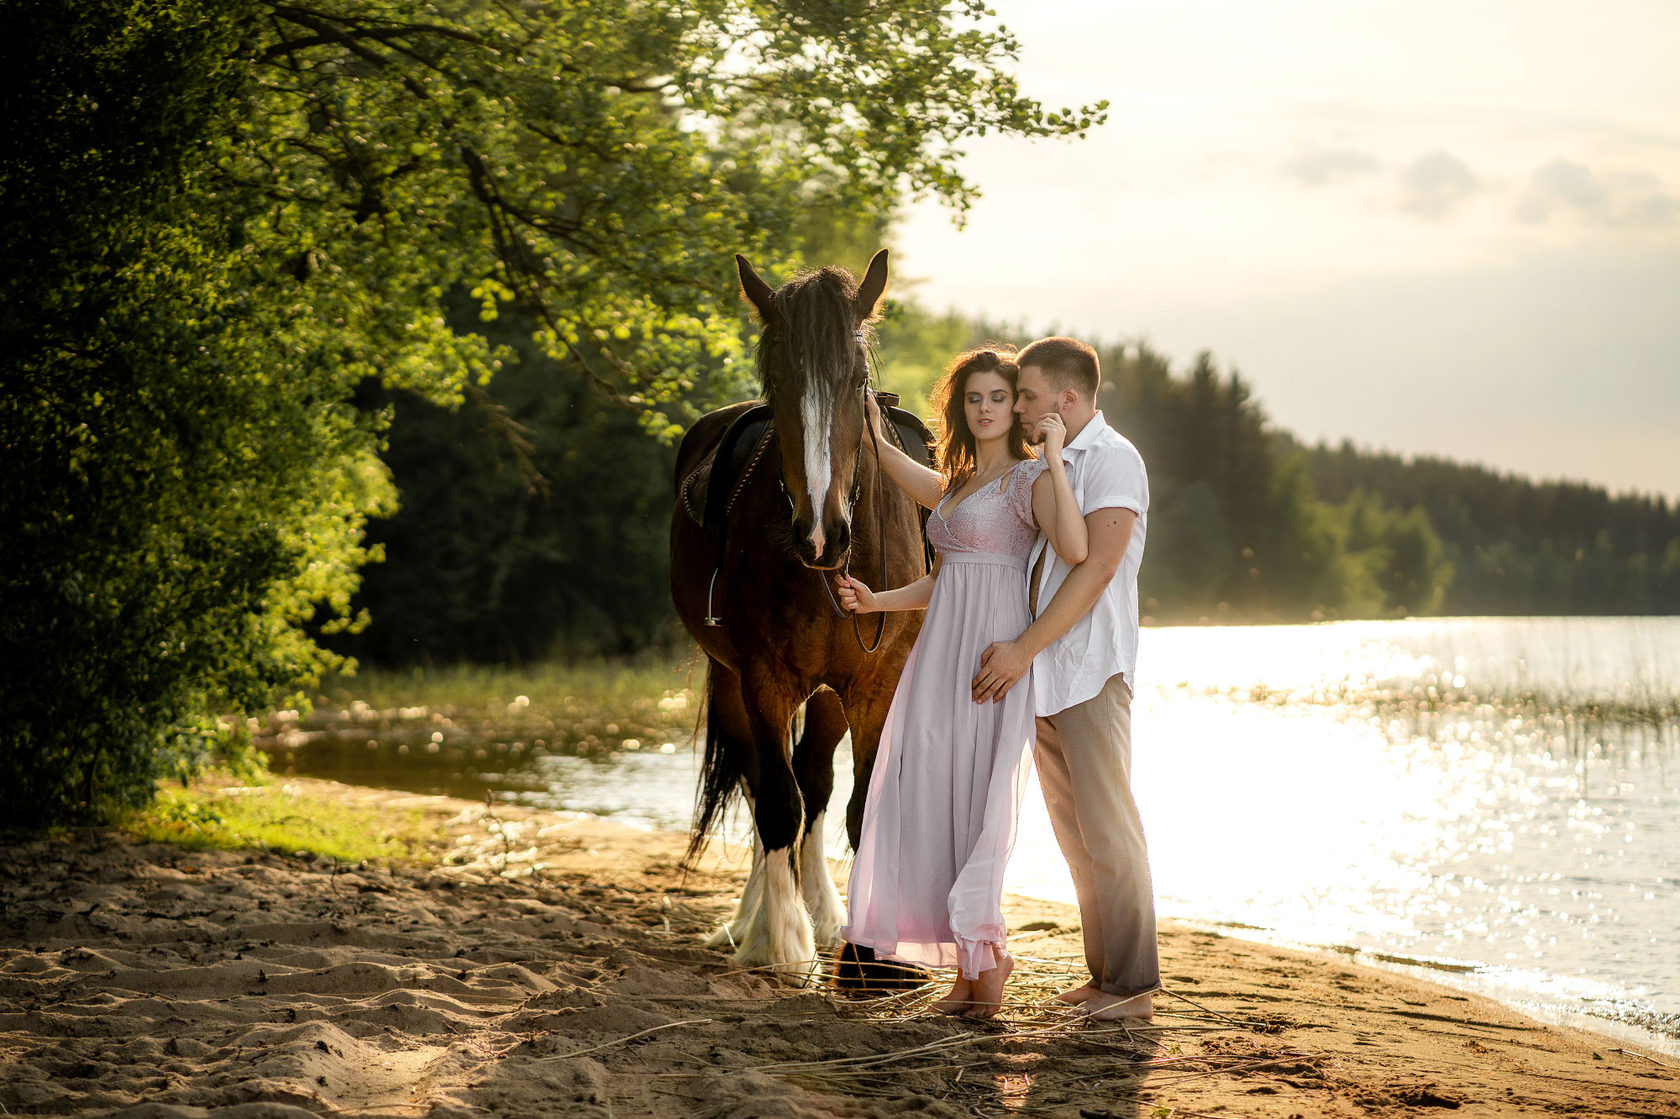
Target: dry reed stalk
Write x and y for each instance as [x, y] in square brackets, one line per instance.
[1198, 1006]
[629, 1037]
[1645, 1057]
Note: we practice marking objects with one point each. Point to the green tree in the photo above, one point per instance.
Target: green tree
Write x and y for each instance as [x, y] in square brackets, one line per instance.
[1509, 545]
[533, 521]
[170, 518]
[1189, 552]
[220, 219]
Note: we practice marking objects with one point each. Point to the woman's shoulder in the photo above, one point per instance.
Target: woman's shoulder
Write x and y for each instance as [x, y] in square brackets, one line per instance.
[1025, 473]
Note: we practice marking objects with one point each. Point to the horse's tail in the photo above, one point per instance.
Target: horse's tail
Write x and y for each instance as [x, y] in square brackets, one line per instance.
[720, 774]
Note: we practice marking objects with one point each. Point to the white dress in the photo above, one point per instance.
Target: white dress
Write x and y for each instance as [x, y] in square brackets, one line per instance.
[927, 884]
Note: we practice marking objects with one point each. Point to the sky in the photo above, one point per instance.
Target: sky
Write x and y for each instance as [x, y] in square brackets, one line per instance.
[1446, 228]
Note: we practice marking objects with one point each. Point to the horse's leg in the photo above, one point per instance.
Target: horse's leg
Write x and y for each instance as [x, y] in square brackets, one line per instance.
[729, 739]
[866, 705]
[813, 769]
[778, 931]
[750, 913]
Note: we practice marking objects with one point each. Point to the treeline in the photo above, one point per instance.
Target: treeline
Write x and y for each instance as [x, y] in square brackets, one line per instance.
[1237, 531]
[533, 519]
[1517, 546]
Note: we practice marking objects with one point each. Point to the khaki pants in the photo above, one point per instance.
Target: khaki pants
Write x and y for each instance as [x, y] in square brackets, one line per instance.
[1085, 768]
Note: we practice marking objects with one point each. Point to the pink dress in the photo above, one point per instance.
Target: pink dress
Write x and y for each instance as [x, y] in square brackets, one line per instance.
[927, 883]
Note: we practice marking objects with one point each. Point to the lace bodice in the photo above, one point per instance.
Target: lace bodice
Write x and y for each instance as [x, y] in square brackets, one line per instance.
[996, 518]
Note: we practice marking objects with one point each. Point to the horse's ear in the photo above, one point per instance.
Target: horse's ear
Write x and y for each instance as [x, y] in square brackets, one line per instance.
[874, 286]
[758, 292]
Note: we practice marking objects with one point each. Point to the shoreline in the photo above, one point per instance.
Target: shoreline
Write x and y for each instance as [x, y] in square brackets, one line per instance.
[1460, 977]
[551, 963]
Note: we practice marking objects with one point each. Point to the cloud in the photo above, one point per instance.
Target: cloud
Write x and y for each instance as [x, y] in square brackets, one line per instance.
[1315, 166]
[1436, 183]
[1614, 200]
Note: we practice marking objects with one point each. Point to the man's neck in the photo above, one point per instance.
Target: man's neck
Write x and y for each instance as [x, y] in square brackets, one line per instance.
[1076, 423]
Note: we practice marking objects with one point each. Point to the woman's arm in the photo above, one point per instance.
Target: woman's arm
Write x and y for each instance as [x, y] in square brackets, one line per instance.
[1054, 506]
[924, 486]
[859, 599]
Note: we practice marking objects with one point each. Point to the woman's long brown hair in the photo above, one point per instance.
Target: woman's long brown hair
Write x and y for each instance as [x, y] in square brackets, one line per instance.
[956, 442]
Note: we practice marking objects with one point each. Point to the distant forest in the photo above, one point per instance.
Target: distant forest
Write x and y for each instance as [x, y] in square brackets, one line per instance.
[1516, 546]
[533, 519]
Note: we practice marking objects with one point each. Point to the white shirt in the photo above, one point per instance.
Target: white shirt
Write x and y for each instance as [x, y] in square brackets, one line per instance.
[1106, 472]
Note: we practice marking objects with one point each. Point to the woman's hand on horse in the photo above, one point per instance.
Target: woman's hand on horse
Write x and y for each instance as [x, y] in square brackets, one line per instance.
[872, 412]
[857, 597]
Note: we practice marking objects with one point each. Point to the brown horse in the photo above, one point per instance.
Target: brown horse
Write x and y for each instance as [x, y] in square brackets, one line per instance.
[805, 499]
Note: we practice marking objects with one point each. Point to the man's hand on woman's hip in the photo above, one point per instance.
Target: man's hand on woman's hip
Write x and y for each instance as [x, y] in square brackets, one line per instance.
[1001, 667]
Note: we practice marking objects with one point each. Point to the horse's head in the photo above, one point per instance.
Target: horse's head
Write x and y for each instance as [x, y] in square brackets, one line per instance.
[813, 371]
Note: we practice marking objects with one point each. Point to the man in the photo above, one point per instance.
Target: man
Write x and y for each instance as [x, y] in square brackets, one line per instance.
[1083, 647]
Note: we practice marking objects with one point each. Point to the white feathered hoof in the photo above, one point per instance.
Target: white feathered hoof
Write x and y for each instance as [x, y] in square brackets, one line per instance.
[749, 914]
[816, 882]
[771, 928]
[790, 948]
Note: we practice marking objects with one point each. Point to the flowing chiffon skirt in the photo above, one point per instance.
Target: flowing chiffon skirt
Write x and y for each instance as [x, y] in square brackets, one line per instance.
[927, 884]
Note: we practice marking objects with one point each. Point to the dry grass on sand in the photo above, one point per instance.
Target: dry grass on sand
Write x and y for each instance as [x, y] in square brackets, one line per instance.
[550, 966]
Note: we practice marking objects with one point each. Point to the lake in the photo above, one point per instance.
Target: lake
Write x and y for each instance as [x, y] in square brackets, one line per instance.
[1493, 801]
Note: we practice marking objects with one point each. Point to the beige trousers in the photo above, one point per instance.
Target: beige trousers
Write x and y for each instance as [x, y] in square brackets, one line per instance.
[1084, 761]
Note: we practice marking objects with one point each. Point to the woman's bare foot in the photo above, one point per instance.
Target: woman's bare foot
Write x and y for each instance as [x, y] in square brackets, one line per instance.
[1105, 1007]
[1076, 995]
[959, 999]
[988, 990]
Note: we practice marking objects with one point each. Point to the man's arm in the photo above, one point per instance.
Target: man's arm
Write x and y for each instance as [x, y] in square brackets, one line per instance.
[1004, 662]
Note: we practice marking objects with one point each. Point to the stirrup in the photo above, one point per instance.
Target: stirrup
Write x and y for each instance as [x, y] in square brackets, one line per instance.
[711, 617]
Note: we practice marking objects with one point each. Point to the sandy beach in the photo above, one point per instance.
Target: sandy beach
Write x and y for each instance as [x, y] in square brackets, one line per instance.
[552, 965]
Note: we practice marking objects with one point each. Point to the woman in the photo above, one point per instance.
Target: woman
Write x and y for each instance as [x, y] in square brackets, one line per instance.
[927, 884]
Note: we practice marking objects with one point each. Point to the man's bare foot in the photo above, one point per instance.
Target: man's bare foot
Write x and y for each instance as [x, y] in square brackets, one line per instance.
[1076, 995]
[959, 999]
[988, 990]
[1105, 1007]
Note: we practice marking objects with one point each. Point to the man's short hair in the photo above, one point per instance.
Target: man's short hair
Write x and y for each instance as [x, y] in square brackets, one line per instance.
[1067, 363]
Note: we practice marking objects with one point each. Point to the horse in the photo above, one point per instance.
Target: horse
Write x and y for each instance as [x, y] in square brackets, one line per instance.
[792, 497]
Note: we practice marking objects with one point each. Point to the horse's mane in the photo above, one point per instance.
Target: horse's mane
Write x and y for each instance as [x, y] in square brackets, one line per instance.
[812, 329]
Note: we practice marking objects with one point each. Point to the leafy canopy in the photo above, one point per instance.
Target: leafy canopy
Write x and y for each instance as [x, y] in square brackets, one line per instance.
[218, 218]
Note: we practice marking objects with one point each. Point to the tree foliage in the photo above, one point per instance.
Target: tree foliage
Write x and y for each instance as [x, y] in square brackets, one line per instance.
[533, 522]
[222, 219]
[1522, 547]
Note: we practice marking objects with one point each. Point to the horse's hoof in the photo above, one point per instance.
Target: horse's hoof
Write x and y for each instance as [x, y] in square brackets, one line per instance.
[799, 973]
[859, 975]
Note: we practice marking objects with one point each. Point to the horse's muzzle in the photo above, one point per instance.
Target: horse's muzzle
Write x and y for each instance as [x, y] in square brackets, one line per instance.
[823, 550]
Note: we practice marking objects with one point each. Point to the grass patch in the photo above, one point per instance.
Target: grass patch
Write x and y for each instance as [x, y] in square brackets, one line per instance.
[617, 684]
[222, 815]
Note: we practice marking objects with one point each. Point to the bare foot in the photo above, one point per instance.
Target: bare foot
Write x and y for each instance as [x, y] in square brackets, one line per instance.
[959, 999]
[1076, 995]
[1105, 1007]
[988, 990]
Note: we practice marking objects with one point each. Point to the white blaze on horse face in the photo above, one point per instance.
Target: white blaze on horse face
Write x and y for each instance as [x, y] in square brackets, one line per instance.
[817, 411]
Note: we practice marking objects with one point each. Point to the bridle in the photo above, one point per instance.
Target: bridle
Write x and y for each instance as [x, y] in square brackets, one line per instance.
[851, 505]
